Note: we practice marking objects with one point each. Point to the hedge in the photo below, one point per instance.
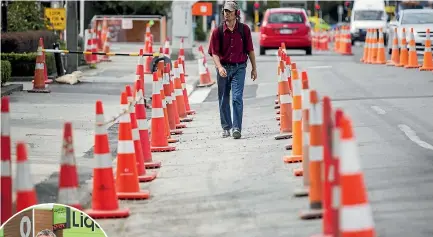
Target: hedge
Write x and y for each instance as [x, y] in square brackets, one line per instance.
[24, 64]
[5, 71]
[25, 42]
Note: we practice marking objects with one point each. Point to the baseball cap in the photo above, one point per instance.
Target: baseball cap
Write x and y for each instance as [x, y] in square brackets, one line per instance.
[230, 5]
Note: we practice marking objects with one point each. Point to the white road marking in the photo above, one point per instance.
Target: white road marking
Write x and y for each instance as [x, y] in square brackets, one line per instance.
[320, 67]
[411, 134]
[378, 109]
[199, 95]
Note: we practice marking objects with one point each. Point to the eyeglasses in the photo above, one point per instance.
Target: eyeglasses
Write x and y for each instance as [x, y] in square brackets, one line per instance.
[227, 11]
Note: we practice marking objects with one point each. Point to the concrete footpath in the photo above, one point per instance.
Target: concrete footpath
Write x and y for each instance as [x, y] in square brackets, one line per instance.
[38, 119]
[213, 186]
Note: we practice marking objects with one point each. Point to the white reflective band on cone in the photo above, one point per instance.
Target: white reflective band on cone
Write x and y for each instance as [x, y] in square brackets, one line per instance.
[39, 66]
[23, 177]
[316, 114]
[178, 92]
[157, 113]
[297, 87]
[356, 218]
[297, 115]
[169, 99]
[103, 161]
[135, 134]
[5, 168]
[349, 161]
[181, 69]
[5, 129]
[142, 124]
[125, 147]
[68, 196]
[69, 158]
[155, 88]
[306, 139]
[336, 197]
[125, 118]
[183, 86]
[305, 99]
[315, 153]
[286, 99]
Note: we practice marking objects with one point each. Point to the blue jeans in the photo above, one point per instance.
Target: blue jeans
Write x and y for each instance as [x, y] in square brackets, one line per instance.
[234, 81]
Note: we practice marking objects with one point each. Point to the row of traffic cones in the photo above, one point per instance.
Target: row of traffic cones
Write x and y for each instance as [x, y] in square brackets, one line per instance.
[343, 41]
[136, 143]
[403, 53]
[24, 188]
[320, 40]
[323, 141]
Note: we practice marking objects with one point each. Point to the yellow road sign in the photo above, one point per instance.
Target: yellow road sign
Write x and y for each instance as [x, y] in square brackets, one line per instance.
[56, 18]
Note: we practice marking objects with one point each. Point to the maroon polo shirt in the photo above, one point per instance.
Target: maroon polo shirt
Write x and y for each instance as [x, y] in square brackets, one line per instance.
[232, 51]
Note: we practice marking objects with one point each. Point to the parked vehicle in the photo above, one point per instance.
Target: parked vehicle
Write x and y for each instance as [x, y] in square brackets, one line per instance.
[418, 19]
[367, 14]
[288, 25]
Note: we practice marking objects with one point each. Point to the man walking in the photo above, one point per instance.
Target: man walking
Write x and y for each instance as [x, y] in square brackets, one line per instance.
[230, 47]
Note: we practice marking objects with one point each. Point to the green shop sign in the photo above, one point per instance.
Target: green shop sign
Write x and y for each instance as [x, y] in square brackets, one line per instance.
[74, 223]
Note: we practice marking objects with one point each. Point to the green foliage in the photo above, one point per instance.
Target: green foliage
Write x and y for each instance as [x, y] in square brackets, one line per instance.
[6, 71]
[24, 64]
[24, 16]
[200, 35]
[132, 7]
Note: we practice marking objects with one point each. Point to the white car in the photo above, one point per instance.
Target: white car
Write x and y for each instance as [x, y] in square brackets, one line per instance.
[418, 19]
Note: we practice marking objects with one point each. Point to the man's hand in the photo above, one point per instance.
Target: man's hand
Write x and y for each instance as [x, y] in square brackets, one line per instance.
[222, 71]
[253, 74]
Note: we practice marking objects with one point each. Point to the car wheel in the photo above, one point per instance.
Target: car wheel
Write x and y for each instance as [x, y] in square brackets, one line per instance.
[308, 51]
[353, 42]
[262, 51]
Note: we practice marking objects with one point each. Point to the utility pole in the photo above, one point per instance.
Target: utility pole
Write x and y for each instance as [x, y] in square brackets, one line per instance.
[71, 35]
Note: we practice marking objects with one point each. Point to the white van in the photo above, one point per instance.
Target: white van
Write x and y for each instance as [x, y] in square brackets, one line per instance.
[367, 14]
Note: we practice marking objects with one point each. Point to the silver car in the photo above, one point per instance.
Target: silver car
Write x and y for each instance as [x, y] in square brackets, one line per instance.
[418, 19]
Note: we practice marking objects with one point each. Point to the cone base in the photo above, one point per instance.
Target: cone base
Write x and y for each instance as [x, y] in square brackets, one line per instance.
[298, 172]
[311, 214]
[211, 83]
[278, 118]
[43, 90]
[190, 112]
[277, 102]
[142, 194]
[178, 126]
[173, 140]
[184, 120]
[105, 214]
[412, 66]
[176, 132]
[288, 147]
[278, 112]
[276, 106]
[292, 159]
[149, 176]
[301, 192]
[391, 63]
[283, 136]
[162, 148]
[152, 165]
[426, 68]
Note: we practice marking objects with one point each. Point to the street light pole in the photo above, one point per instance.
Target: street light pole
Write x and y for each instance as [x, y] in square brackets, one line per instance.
[4, 16]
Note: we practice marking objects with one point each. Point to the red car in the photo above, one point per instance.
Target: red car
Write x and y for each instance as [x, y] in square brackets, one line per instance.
[288, 25]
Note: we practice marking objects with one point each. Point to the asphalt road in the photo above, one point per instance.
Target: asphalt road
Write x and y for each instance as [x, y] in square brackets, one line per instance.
[223, 187]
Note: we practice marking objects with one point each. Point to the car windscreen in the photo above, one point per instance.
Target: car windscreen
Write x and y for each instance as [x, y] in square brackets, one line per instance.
[417, 18]
[368, 15]
[286, 17]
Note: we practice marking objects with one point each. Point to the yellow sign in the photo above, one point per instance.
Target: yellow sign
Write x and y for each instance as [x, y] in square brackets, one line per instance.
[56, 18]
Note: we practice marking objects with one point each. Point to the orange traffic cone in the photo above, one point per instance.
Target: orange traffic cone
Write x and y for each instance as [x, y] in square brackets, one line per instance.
[159, 141]
[26, 194]
[169, 100]
[427, 64]
[174, 101]
[68, 178]
[286, 104]
[315, 151]
[127, 185]
[39, 85]
[355, 212]
[296, 118]
[381, 58]
[413, 58]
[404, 54]
[143, 129]
[395, 54]
[6, 166]
[181, 108]
[189, 111]
[104, 197]
[143, 176]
